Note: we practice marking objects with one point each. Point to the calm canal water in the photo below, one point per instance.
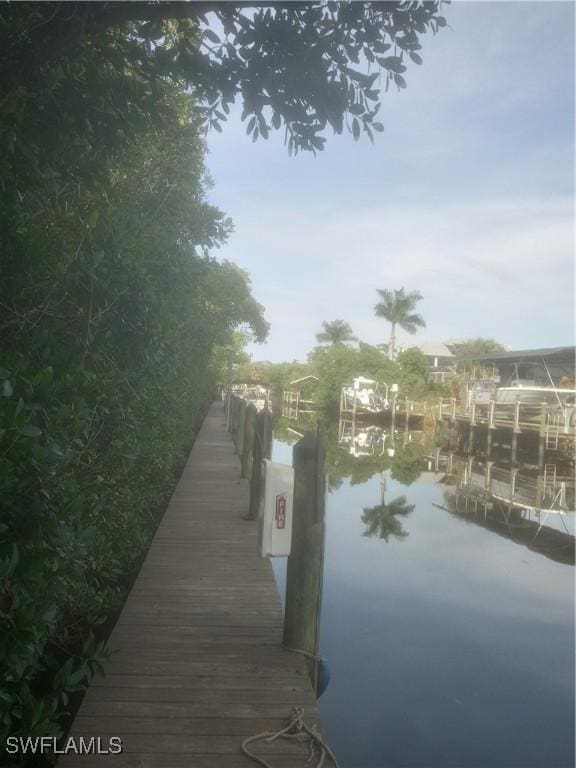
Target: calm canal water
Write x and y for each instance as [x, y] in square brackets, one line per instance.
[450, 644]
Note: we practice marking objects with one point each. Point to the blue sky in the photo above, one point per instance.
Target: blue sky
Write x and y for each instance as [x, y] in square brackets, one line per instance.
[467, 196]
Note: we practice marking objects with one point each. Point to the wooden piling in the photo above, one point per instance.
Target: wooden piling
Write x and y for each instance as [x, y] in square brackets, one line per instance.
[306, 561]
[262, 450]
[234, 401]
[247, 454]
[240, 422]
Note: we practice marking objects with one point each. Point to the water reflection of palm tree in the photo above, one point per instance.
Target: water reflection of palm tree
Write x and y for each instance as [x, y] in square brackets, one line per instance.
[382, 520]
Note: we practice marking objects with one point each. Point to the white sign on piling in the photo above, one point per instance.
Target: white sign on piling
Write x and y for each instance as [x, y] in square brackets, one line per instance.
[275, 514]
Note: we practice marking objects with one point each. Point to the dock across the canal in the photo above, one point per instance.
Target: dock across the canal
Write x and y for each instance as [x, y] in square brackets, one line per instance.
[198, 664]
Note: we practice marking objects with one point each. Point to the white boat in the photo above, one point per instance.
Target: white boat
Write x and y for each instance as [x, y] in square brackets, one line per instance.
[536, 395]
[364, 394]
[256, 394]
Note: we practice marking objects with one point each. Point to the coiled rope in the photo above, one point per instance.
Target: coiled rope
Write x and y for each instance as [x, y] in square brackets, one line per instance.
[296, 730]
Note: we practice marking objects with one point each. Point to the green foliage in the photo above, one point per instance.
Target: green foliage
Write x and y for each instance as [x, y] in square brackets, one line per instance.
[413, 361]
[276, 376]
[406, 466]
[335, 332]
[338, 364]
[412, 378]
[111, 313]
[301, 66]
[478, 346]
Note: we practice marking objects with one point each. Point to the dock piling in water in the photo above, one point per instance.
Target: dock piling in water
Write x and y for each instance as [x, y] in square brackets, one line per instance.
[306, 561]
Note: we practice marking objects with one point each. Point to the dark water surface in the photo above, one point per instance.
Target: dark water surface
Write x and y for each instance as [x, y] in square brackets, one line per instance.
[450, 647]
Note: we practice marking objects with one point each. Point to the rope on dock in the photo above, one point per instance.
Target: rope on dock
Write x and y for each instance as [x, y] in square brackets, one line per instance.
[304, 653]
[296, 730]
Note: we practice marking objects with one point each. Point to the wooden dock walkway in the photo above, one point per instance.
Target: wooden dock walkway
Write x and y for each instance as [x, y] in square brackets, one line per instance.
[198, 663]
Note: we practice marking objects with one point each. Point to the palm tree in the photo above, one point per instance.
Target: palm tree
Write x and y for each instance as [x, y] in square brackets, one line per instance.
[398, 308]
[335, 332]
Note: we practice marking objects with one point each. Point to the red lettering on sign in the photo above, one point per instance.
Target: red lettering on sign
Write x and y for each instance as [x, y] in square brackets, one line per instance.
[281, 511]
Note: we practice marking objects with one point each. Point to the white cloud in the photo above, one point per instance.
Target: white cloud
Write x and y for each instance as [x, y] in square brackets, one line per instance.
[484, 269]
[466, 197]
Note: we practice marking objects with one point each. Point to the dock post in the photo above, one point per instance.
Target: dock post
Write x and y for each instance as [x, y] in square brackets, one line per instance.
[233, 414]
[491, 428]
[306, 561]
[262, 450]
[517, 417]
[491, 416]
[488, 477]
[514, 446]
[471, 431]
[240, 421]
[227, 409]
[249, 437]
[542, 436]
[489, 434]
[452, 434]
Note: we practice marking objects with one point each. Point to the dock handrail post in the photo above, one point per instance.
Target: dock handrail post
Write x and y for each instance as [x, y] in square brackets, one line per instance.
[473, 414]
[262, 450]
[492, 411]
[453, 407]
[542, 435]
[306, 561]
[247, 454]
[393, 418]
[517, 416]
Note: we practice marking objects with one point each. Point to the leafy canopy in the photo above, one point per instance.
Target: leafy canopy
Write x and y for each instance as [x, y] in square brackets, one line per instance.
[304, 66]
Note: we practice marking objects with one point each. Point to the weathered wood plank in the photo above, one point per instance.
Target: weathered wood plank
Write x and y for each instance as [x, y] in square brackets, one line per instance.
[198, 663]
[205, 726]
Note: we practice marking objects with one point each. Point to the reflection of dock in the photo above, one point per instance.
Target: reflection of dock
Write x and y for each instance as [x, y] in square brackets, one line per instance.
[293, 405]
[372, 440]
[511, 502]
[300, 399]
[514, 525]
[550, 423]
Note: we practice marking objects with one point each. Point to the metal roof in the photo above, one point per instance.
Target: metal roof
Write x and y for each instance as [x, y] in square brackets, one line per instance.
[517, 355]
[435, 349]
[305, 378]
